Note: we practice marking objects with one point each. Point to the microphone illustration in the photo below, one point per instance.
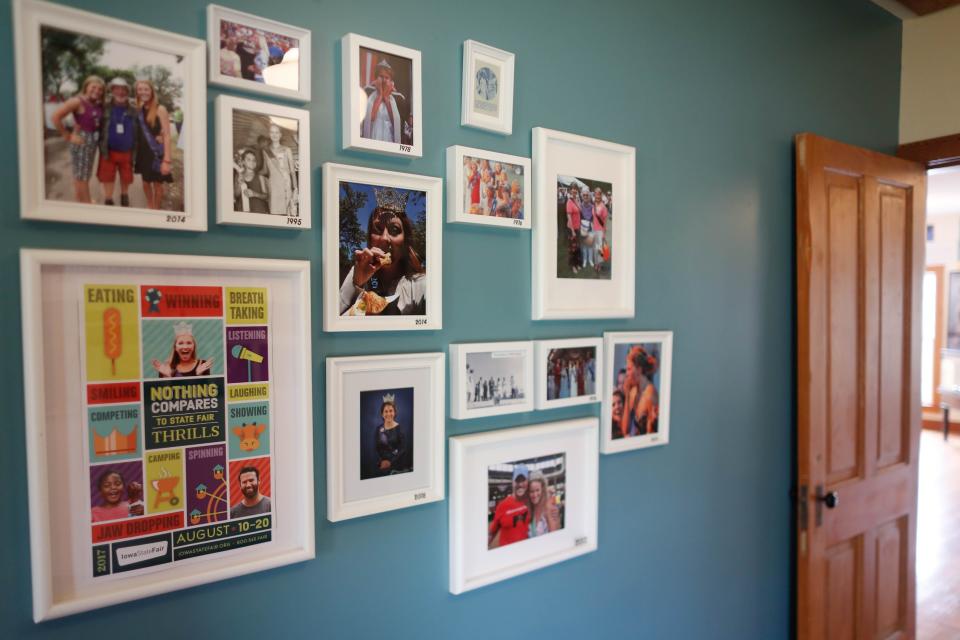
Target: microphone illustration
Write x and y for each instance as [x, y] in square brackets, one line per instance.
[240, 352]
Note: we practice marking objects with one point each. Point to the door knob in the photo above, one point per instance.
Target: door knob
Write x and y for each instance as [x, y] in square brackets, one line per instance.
[832, 499]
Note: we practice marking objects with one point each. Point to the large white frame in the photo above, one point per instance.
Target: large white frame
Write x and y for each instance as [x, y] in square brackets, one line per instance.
[542, 350]
[400, 491]
[459, 382]
[610, 340]
[354, 98]
[455, 191]
[52, 371]
[333, 174]
[216, 13]
[28, 17]
[473, 52]
[224, 145]
[558, 153]
[472, 565]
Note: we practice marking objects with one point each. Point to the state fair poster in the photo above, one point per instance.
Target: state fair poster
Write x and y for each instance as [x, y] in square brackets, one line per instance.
[177, 423]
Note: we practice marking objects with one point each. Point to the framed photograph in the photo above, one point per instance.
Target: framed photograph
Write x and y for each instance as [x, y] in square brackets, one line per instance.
[254, 54]
[153, 383]
[484, 187]
[111, 118]
[490, 378]
[385, 425]
[636, 411]
[584, 232]
[381, 97]
[487, 88]
[261, 149]
[521, 499]
[381, 250]
[568, 372]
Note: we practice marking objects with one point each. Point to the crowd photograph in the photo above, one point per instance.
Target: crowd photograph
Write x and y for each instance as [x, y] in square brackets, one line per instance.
[247, 52]
[493, 189]
[526, 499]
[495, 378]
[635, 400]
[266, 164]
[571, 372]
[386, 432]
[584, 214]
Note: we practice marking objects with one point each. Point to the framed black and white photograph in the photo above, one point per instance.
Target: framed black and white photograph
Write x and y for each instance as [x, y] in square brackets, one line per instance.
[636, 409]
[521, 499]
[485, 187]
[568, 372]
[258, 55]
[111, 118]
[381, 250]
[490, 378]
[584, 232]
[487, 101]
[263, 164]
[381, 97]
[385, 425]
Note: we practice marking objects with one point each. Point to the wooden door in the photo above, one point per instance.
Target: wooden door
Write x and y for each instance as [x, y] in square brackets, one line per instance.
[860, 243]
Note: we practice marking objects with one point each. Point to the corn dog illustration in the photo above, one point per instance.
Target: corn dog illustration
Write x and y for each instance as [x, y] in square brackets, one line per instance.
[112, 337]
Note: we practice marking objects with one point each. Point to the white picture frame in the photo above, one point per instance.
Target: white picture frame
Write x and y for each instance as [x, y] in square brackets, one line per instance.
[473, 563]
[227, 149]
[361, 57]
[36, 114]
[55, 287]
[486, 373]
[616, 348]
[289, 79]
[558, 379]
[605, 288]
[460, 205]
[355, 388]
[418, 289]
[484, 106]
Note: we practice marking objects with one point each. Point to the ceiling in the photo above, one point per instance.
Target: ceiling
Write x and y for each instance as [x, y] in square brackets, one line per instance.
[943, 191]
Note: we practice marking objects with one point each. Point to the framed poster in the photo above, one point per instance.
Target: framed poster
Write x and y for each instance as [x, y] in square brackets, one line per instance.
[254, 54]
[124, 148]
[521, 499]
[584, 232]
[487, 101]
[636, 411]
[154, 384]
[385, 425]
[263, 164]
[484, 187]
[490, 379]
[381, 97]
[381, 250]
[568, 372]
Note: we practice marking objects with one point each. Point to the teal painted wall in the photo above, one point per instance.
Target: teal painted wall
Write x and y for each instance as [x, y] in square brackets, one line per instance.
[695, 537]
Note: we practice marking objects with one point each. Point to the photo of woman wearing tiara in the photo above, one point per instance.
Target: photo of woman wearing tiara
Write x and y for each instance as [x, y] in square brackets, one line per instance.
[386, 436]
[183, 360]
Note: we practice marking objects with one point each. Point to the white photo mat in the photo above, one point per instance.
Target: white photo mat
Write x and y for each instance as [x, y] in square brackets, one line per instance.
[456, 193]
[217, 13]
[226, 214]
[472, 564]
[28, 17]
[475, 56]
[556, 153]
[542, 349]
[347, 377]
[52, 284]
[664, 339]
[462, 383]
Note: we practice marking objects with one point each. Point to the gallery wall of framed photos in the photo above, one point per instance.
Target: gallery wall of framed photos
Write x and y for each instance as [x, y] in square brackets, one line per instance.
[300, 83]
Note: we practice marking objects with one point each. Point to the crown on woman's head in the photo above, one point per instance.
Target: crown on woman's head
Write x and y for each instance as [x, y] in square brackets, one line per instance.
[182, 328]
[391, 199]
[389, 398]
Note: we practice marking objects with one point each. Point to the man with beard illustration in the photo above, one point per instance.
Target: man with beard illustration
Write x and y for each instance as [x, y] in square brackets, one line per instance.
[254, 503]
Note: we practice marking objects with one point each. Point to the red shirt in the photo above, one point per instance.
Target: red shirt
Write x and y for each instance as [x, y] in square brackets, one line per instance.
[513, 518]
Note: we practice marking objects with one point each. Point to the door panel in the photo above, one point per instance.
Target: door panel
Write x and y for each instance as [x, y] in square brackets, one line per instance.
[841, 590]
[891, 556]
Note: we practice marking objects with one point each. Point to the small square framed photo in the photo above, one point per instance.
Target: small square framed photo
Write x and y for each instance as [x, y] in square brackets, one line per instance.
[487, 88]
[521, 499]
[385, 425]
[381, 250]
[636, 411]
[112, 120]
[263, 164]
[584, 232]
[381, 97]
[490, 379]
[254, 54]
[485, 187]
[568, 372]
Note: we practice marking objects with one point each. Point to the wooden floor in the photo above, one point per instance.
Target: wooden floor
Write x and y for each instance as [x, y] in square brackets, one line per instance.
[938, 538]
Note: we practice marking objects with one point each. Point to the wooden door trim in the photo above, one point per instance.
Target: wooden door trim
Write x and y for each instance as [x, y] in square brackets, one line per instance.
[933, 153]
[940, 272]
